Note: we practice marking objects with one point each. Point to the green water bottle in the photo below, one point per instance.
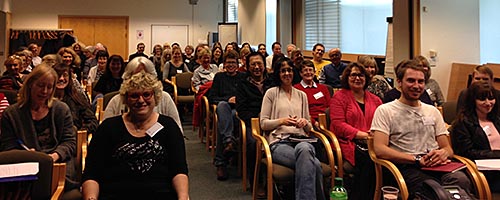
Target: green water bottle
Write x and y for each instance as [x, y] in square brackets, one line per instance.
[338, 191]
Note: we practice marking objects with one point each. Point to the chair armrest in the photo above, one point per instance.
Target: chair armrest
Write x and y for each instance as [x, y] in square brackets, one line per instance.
[334, 143]
[99, 111]
[403, 189]
[329, 152]
[58, 178]
[174, 81]
[262, 145]
[476, 177]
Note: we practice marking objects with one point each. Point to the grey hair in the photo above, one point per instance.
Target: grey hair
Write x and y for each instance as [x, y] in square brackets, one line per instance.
[132, 65]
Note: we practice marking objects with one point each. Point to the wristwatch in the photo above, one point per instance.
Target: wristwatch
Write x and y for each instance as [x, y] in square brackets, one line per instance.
[417, 160]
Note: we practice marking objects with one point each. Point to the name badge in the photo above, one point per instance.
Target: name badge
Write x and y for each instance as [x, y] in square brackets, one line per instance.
[154, 129]
[429, 91]
[318, 95]
[428, 121]
[186, 61]
[179, 71]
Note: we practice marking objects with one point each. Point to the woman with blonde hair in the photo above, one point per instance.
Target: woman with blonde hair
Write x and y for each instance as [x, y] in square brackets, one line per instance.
[206, 71]
[140, 154]
[11, 79]
[70, 58]
[41, 122]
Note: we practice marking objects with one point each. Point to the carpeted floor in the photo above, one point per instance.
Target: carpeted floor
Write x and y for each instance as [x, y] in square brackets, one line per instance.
[203, 183]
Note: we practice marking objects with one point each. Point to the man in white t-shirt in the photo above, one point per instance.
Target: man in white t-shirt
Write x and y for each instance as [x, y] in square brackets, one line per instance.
[412, 134]
[276, 47]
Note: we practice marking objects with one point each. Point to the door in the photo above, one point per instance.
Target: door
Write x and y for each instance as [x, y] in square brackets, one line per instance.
[111, 31]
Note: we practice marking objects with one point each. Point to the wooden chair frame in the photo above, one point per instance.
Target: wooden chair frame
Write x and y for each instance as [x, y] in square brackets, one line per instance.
[263, 149]
[477, 178]
[58, 179]
[333, 141]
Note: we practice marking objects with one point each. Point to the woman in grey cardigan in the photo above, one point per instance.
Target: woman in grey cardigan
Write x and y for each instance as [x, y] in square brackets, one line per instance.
[285, 113]
[41, 122]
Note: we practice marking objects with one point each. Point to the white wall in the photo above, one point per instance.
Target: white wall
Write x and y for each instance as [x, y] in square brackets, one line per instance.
[29, 14]
[451, 27]
[252, 21]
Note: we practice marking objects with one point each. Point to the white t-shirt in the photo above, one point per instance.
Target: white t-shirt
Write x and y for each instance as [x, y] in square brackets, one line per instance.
[411, 130]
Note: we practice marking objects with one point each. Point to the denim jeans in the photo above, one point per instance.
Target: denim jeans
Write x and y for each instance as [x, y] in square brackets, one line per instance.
[226, 118]
[308, 173]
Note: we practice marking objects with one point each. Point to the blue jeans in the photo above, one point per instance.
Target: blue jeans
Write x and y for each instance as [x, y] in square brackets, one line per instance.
[225, 131]
[308, 173]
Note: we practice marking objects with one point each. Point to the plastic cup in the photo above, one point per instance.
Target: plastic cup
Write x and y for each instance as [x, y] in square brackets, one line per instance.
[390, 193]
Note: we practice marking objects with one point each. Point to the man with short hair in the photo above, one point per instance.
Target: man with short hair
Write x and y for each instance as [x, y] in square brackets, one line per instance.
[223, 94]
[250, 94]
[35, 60]
[140, 52]
[317, 52]
[276, 47]
[481, 73]
[330, 74]
[289, 49]
[413, 134]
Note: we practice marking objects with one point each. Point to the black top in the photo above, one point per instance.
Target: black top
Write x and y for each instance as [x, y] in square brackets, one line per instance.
[249, 98]
[126, 166]
[136, 54]
[224, 87]
[394, 94]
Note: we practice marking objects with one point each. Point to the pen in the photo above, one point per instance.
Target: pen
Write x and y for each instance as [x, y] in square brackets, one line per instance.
[20, 142]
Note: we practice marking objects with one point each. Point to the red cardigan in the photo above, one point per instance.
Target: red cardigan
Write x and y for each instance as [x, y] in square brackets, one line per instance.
[347, 118]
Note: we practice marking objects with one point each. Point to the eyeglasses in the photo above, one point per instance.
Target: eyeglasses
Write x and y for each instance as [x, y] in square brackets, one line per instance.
[257, 63]
[145, 95]
[359, 75]
[285, 70]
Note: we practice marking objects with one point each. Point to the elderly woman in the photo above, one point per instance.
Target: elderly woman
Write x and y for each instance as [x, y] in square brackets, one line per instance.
[431, 86]
[164, 106]
[475, 134]
[83, 116]
[11, 79]
[140, 154]
[377, 83]
[206, 72]
[41, 122]
[285, 113]
[351, 114]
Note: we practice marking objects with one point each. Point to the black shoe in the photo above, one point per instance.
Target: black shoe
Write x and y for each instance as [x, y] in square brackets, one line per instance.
[228, 149]
[221, 173]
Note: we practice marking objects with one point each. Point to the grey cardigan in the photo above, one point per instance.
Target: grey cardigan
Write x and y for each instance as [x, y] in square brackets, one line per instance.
[17, 124]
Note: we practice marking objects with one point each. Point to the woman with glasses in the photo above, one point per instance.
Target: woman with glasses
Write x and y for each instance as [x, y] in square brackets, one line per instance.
[285, 113]
[83, 117]
[351, 114]
[140, 154]
[11, 79]
[475, 133]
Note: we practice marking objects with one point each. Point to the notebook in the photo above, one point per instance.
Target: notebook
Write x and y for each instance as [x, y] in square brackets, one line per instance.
[448, 168]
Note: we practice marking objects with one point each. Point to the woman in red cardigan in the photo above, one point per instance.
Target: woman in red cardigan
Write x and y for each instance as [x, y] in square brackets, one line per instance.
[351, 114]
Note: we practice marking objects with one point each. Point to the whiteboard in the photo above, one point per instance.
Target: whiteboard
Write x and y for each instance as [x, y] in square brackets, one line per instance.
[228, 32]
[161, 33]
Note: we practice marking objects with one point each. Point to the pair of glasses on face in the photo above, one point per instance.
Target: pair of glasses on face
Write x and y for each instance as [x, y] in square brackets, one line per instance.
[136, 95]
[354, 75]
[285, 70]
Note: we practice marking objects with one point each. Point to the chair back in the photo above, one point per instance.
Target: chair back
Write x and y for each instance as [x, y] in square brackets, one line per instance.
[10, 94]
[107, 97]
[330, 89]
[324, 125]
[183, 80]
[449, 111]
[43, 187]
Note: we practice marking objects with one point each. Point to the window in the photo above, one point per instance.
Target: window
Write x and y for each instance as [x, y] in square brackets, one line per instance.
[355, 26]
[232, 11]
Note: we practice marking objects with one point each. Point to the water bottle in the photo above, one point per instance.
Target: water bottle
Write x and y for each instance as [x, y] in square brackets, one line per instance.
[338, 191]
